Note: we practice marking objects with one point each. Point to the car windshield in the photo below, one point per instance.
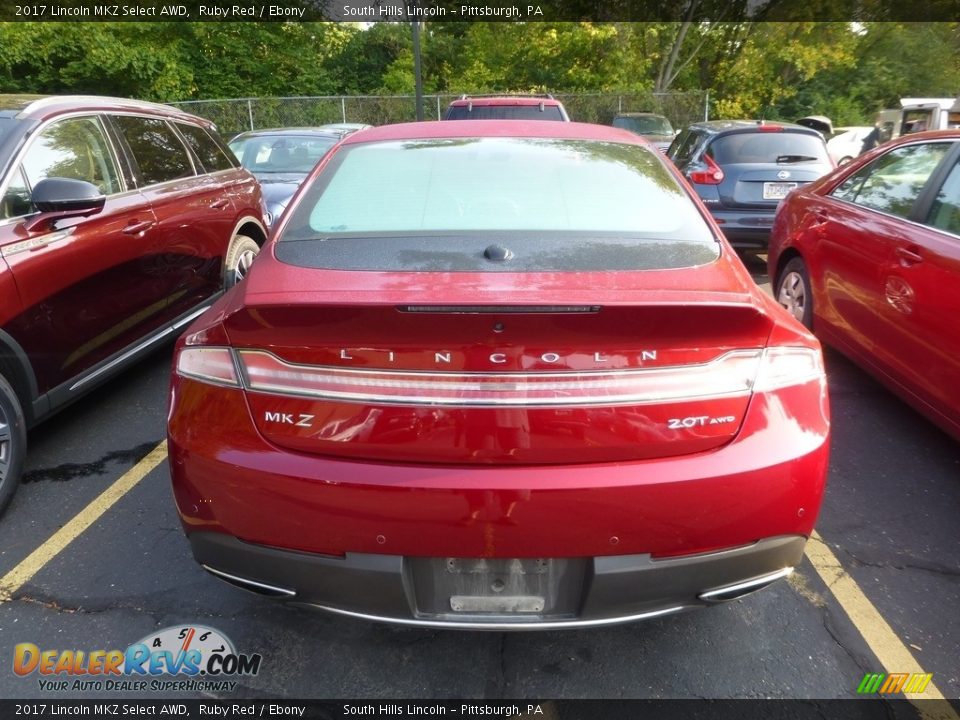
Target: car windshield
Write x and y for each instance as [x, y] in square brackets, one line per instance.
[644, 125]
[503, 112]
[281, 153]
[6, 126]
[768, 148]
[580, 203]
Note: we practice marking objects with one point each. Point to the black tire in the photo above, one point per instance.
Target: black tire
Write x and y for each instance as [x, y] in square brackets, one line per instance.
[13, 443]
[239, 256]
[794, 293]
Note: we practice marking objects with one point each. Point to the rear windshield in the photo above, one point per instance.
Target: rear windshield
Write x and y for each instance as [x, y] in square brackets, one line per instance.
[645, 125]
[440, 204]
[503, 112]
[768, 147]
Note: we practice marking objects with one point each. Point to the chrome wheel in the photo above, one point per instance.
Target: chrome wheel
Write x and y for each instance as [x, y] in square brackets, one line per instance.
[5, 439]
[793, 295]
[240, 255]
[13, 442]
[243, 265]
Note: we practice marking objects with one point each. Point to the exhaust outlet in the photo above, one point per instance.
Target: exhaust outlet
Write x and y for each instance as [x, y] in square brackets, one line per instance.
[252, 585]
[733, 592]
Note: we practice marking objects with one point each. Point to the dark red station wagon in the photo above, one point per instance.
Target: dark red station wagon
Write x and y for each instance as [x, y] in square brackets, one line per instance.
[498, 375]
[120, 221]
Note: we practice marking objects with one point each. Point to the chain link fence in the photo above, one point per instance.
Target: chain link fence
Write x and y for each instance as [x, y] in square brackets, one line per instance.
[239, 114]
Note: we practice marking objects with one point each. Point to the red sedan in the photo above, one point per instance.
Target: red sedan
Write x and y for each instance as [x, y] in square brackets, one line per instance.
[869, 257]
[498, 375]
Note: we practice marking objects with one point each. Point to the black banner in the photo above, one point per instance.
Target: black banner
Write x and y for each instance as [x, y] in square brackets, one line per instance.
[476, 10]
[858, 709]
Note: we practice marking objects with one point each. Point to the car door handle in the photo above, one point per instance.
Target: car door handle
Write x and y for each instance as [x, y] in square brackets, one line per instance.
[219, 204]
[135, 228]
[908, 257]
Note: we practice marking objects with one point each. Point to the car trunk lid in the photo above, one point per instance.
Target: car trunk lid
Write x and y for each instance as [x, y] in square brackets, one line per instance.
[469, 380]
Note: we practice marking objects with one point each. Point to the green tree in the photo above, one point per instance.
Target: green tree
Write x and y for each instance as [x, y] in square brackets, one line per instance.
[752, 69]
[126, 59]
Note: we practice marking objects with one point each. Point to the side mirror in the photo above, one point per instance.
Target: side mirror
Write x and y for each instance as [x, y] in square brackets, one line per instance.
[63, 195]
[59, 198]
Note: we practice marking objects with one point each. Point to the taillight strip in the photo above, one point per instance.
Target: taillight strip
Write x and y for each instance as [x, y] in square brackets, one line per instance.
[730, 375]
[209, 364]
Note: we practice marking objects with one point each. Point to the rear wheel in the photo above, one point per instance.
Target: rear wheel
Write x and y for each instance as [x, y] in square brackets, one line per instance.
[13, 443]
[793, 291]
[240, 255]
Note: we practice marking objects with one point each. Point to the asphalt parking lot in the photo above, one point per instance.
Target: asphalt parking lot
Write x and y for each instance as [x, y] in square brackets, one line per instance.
[881, 592]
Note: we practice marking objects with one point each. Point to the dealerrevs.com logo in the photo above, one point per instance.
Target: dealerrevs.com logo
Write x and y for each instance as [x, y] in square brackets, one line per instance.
[180, 658]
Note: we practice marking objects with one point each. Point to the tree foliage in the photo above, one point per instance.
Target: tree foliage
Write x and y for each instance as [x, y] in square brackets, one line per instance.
[767, 69]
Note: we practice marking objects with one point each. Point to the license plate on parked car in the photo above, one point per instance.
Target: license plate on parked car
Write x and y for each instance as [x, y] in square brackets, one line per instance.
[777, 190]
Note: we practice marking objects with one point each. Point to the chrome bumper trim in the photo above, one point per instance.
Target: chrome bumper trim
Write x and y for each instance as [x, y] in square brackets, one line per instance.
[479, 624]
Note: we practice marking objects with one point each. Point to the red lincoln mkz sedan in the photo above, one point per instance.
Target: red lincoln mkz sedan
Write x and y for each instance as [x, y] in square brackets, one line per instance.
[498, 375]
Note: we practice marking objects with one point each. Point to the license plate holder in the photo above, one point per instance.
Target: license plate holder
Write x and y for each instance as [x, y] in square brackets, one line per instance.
[497, 587]
[777, 190]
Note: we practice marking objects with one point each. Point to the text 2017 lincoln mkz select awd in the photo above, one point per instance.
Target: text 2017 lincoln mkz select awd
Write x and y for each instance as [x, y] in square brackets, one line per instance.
[498, 375]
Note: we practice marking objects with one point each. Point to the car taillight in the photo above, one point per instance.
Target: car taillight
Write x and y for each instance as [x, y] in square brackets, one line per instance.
[785, 366]
[735, 373]
[208, 364]
[730, 375]
[764, 127]
[711, 175]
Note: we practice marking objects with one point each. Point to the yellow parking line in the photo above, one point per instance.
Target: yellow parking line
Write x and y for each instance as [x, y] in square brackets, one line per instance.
[880, 637]
[34, 562]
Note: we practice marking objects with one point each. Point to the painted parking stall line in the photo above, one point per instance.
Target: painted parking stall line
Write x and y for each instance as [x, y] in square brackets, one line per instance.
[879, 636]
[56, 543]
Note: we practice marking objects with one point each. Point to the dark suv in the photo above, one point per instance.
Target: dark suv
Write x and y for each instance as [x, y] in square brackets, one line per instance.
[742, 169]
[506, 108]
[120, 221]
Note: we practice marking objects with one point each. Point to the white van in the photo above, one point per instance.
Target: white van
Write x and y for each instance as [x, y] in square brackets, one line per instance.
[918, 114]
[929, 114]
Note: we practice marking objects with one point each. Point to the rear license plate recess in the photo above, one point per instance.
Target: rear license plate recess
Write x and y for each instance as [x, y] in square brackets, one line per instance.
[541, 587]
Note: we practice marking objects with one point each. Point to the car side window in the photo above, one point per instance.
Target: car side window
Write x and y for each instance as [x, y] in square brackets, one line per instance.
[74, 148]
[945, 211]
[893, 182]
[157, 150]
[210, 154]
[686, 146]
[16, 198]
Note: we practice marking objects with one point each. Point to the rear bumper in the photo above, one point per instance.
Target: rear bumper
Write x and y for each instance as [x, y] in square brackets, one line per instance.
[747, 228]
[606, 590]
[637, 538]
